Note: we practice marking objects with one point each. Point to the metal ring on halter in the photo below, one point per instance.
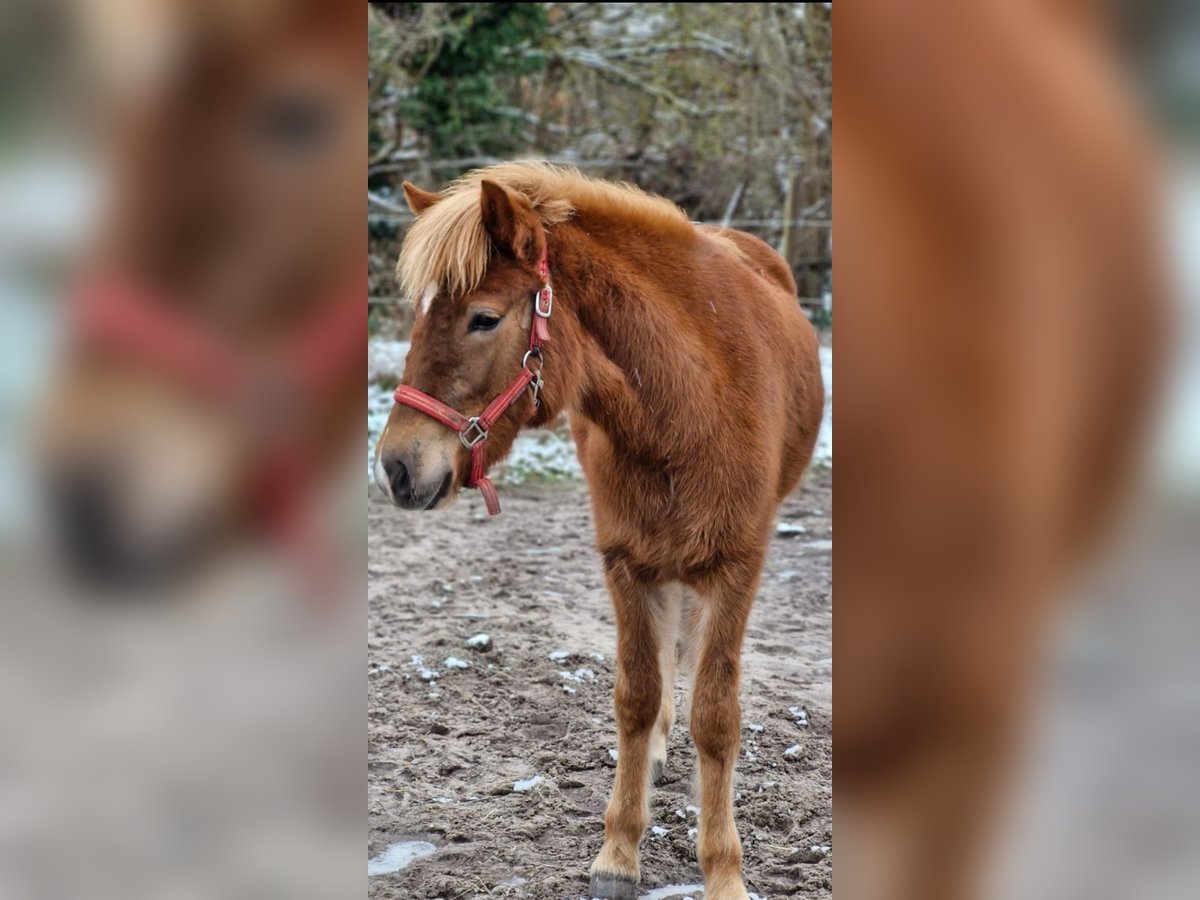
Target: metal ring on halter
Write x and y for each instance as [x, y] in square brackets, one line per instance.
[532, 351]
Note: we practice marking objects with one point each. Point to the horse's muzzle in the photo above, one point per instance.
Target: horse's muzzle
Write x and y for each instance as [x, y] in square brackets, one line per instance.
[406, 487]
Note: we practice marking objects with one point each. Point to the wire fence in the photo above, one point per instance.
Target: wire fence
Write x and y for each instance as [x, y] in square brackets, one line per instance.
[394, 213]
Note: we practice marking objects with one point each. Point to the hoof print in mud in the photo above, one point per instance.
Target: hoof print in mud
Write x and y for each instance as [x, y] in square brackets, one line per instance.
[612, 887]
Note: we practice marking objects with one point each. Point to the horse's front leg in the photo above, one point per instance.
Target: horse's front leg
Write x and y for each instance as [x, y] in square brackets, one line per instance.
[667, 621]
[644, 622]
[716, 729]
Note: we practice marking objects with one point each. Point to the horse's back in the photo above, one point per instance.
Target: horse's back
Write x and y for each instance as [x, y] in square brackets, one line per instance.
[759, 255]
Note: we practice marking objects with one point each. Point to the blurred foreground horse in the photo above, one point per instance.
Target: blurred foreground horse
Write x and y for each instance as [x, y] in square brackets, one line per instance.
[1002, 307]
[694, 390]
[214, 374]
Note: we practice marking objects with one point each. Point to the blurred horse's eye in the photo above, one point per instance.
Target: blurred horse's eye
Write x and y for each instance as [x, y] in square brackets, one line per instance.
[483, 322]
[294, 122]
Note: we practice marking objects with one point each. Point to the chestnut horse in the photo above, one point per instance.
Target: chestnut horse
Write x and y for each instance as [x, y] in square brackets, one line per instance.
[694, 390]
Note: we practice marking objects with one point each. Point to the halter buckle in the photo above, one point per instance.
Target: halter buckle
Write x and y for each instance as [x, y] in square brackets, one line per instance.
[468, 439]
[546, 292]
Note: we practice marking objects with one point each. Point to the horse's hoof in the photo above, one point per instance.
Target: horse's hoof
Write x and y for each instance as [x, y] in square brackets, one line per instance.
[658, 773]
[612, 887]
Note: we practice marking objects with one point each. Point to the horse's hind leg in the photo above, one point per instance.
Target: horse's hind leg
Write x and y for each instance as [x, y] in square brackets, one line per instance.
[643, 625]
[716, 729]
[668, 653]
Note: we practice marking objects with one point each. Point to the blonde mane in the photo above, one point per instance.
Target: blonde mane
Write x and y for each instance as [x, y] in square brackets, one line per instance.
[448, 247]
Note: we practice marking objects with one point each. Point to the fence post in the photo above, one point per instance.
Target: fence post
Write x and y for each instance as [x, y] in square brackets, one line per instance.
[789, 214]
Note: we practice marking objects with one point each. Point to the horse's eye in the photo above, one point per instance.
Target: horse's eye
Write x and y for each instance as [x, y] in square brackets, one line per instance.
[483, 322]
[294, 122]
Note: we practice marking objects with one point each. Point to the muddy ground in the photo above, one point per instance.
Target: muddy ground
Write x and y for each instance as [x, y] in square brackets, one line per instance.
[446, 744]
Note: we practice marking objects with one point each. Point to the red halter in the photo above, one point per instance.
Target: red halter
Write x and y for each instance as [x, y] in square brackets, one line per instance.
[473, 430]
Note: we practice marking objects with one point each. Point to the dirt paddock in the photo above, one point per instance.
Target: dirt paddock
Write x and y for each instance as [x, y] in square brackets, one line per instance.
[500, 761]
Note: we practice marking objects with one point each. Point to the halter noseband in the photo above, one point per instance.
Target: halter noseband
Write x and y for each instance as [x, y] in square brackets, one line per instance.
[473, 430]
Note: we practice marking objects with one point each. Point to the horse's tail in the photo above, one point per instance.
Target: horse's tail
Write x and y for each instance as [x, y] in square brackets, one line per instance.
[759, 256]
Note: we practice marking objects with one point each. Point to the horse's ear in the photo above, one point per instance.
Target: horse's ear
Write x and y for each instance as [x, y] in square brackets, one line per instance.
[418, 200]
[513, 226]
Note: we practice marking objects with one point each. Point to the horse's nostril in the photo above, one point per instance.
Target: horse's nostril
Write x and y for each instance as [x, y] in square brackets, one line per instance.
[83, 516]
[397, 474]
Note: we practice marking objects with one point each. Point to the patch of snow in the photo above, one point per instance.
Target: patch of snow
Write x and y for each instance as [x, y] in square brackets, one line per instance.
[398, 856]
[823, 452]
[613, 753]
[528, 784]
[757, 729]
[579, 676]
[541, 453]
[790, 529]
[800, 713]
[453, 662]
[385, 358]
[660, 831]
[823, 849]
[671, 891]
[427, 674]
[793, 750]
[479, 641]
[379, 407]
[567, 689]
[559, 656]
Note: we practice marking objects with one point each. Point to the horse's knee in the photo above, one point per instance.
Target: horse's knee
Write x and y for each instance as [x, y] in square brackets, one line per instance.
[638, 700]
[715, 727]
[717, 855]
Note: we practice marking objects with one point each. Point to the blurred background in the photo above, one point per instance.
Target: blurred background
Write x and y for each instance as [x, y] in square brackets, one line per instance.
[725, 110]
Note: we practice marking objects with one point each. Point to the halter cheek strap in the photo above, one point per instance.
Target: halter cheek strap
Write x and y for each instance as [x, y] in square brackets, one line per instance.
[473, 430]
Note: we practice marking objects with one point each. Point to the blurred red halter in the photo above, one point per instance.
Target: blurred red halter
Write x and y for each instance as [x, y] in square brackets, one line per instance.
[473, 430]
[117, 316]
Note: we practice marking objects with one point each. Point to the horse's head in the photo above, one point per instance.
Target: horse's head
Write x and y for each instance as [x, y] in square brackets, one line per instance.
[467, 343]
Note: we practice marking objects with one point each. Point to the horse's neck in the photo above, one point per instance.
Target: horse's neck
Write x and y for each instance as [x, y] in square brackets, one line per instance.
[625, 353]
